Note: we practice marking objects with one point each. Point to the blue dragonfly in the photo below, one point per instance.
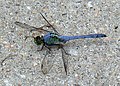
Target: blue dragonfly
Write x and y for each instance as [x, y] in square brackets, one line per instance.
[53, 38]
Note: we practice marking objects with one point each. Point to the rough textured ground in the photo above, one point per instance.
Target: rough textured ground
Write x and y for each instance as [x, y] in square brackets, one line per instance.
[93, 62]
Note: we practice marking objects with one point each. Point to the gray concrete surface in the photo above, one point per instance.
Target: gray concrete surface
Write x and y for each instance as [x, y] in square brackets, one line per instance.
[93, 62]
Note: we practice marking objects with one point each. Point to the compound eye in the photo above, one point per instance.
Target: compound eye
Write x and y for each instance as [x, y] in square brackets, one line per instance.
[38, 38]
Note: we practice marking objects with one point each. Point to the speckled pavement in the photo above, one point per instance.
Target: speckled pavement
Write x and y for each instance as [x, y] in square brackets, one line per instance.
[93, 62]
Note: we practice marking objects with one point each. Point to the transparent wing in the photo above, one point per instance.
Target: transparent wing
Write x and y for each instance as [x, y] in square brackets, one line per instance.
[47, 62]
[24, 25]
[49, 24]
[32, 28]
[65, 59]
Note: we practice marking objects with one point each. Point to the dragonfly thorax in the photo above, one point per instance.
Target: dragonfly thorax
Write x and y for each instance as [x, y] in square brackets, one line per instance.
[38, 40]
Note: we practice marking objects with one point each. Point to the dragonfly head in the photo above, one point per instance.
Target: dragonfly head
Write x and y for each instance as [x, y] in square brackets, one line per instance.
[38, 40]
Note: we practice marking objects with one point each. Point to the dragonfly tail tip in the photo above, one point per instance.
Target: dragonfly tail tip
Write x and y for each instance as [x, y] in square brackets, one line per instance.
[104, 35]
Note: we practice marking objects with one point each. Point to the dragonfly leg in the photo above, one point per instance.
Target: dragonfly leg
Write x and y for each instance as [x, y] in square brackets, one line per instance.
[48, 48]
[60, 46]
[65, 51]
[43, 47]
[40, 49]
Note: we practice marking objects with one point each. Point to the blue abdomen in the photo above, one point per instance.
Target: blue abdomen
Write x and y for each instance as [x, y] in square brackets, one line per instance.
[67, 38]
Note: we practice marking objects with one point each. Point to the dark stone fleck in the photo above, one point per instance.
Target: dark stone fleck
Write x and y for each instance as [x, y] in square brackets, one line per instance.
[116, 27]
[64, 14]
[17, 4]
[78, 1]
[76, 85]
[29, 18]
[30, 54]
[16, 12]
[0, 47]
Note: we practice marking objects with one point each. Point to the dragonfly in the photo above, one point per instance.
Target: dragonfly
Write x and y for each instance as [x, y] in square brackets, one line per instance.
[53, 38]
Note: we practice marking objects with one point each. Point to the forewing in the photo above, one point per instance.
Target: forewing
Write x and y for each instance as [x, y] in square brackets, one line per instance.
[24, 25]
[32, 28]
[49, 24]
